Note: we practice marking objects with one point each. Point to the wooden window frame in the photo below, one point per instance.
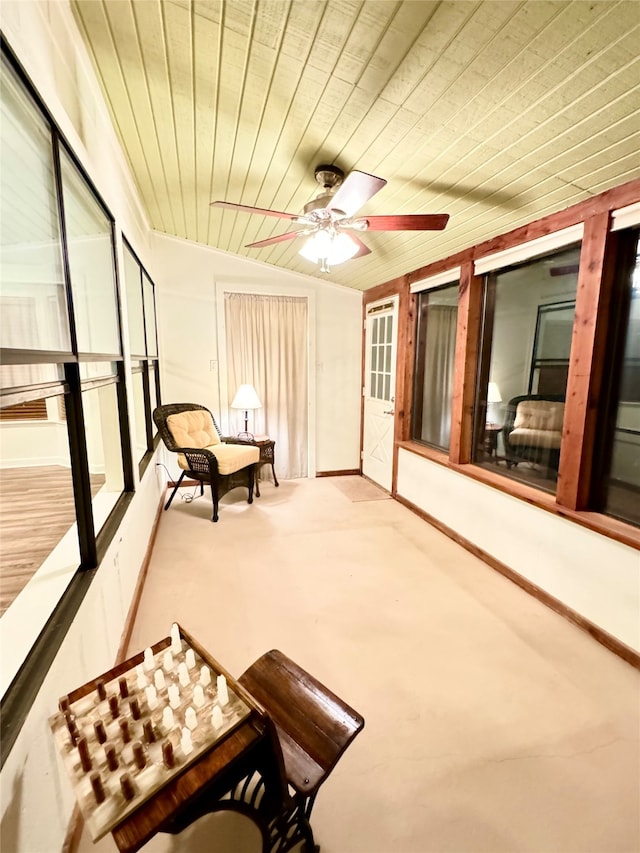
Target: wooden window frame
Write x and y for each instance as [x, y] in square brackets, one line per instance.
[586, 362]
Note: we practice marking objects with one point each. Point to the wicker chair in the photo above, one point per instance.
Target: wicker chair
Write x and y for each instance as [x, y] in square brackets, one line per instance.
[191, 431]
[532, 429]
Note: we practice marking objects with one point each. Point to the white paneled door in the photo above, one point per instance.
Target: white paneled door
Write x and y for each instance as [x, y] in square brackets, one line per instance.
[379, 391]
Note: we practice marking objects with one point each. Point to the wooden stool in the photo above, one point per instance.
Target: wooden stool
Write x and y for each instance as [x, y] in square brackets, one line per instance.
[313, 725]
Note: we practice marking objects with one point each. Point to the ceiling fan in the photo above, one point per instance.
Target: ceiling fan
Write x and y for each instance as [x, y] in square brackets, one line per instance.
[330, 218]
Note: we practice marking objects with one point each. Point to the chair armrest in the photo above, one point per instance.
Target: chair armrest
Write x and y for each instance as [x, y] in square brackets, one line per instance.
[201, 460]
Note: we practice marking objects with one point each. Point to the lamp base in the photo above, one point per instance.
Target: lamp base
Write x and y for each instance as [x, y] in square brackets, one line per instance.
[246, 435]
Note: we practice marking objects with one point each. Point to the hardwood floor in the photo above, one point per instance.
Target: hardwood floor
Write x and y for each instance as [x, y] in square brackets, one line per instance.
[36, 510]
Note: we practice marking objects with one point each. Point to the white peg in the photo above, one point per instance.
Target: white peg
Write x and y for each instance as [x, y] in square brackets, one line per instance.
[149, 661]
[216, 717]
[141, 678]
[185, 742]
[152, 697]
[174, 695]
[190, 658]
[223, 693]
[167, 718]
[190, 718]
[158, 679]
[198, 695]
[205, 676]
[176, 642]
[183, 674]
[167, 661]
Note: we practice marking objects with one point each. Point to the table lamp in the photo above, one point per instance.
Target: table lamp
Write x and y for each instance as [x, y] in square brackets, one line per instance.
[246, 398]
[493, 397]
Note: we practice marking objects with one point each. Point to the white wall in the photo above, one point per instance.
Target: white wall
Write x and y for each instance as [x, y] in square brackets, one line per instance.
[187, 289]
[595, 576]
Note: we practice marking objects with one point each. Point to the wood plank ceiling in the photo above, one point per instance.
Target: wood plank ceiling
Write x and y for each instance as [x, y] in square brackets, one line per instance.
[494, 112]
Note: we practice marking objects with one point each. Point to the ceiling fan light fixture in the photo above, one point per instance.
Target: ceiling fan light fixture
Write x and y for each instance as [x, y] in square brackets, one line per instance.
[328, 248]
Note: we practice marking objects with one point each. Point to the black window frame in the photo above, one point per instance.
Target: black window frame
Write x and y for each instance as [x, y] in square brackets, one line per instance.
[20, 694]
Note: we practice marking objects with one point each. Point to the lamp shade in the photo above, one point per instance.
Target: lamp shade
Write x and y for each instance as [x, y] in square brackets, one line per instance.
[493, 393]
[334, 248]
[246, 398]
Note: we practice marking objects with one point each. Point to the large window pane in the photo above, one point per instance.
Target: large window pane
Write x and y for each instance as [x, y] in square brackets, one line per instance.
[39, 536]
[102, 428]
[33, 305]
[622, 484]
[437, 313]
[528, 323]
[91, 263]
[149, 315]
[135, 311]
[139, 413]
[153, 393]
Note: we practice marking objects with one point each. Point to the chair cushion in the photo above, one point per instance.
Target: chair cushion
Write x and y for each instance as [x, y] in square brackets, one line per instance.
[539, 415]
[231, 457]
[548, 439]
[194, 428]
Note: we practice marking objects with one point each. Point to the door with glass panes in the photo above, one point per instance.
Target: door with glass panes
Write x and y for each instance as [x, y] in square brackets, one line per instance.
[379, 391]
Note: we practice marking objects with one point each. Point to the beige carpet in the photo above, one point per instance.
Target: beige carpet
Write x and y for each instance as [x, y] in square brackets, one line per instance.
[492, 725]
[359, 489]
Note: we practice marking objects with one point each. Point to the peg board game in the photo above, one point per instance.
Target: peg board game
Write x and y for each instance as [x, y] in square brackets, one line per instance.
[125, 734]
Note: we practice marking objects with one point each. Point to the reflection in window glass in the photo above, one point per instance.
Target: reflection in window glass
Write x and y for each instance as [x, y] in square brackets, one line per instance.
[133, 285]
[17, 375]
[33, 305]
[139, 414]
[91, 264]
[97, 369]
[149, 315]
[529, 312]
[39, 536]
[153, 394]
[437, 312]
[622, 486]
[100, 406]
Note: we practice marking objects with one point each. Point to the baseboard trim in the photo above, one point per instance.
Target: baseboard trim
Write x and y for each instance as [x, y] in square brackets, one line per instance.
[76, 822]
[345, 472]
[603, 637]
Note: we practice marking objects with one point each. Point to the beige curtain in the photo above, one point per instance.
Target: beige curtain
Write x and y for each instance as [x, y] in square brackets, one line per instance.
[438, 374]
[267, 348]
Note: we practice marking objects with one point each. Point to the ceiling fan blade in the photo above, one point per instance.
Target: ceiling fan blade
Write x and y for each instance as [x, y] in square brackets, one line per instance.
[271, 240]
[358, 188]
[248, 209]
[363, 249]
[408, 222]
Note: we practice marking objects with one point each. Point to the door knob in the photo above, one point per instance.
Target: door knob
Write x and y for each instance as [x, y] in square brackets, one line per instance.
[390, 412]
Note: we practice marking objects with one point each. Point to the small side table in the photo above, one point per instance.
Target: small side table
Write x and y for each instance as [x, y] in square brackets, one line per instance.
[491, 433]
[267, 457]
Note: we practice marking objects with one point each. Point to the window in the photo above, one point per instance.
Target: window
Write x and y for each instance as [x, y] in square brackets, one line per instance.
[33, 303]
[135, 311]
[65, 459]
[91, 265]
[524, 358]
[381, 357]
[618, 491]
[437, 320]
[144, 350]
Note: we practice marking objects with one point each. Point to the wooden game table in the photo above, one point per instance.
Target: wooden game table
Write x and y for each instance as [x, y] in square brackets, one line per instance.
[242, 771]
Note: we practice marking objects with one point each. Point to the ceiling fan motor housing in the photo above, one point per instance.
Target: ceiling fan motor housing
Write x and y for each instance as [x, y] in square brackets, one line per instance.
[329, 177]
